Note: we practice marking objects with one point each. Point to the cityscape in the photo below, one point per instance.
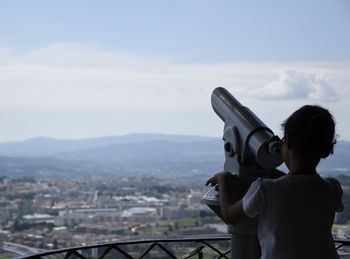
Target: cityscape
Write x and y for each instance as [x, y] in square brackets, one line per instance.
[58, 214]
[45, 215]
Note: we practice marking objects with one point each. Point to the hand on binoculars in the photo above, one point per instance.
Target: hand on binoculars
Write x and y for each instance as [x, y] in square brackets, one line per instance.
[222, 176]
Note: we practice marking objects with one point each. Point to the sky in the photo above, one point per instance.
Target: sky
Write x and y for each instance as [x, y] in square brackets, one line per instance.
[82, 69]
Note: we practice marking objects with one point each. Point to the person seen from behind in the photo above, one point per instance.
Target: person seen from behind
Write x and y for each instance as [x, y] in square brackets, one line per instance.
[296, 211]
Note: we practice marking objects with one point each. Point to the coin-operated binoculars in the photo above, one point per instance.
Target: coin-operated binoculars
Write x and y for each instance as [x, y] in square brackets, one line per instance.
[251, 150]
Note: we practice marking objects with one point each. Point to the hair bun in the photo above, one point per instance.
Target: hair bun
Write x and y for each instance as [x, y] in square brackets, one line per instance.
[320, 134]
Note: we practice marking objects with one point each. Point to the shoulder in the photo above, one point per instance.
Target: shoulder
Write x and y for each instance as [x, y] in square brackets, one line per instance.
[274, 184]
[334, 185]
[254, 188]
[260, 192]
[332, 181]
[265, 187]
[260, 185]
[337, 191]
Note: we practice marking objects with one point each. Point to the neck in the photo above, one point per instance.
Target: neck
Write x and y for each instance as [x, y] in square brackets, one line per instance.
[302, 169]
[302, 165]
[303, 172]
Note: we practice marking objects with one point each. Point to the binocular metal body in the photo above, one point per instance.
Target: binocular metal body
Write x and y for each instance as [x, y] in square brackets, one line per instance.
[251, 151]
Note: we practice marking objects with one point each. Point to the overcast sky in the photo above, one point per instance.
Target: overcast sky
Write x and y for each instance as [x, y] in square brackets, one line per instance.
[79, 69]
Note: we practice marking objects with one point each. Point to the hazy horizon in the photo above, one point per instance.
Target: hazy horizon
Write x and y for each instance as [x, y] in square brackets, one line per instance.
[124, 135]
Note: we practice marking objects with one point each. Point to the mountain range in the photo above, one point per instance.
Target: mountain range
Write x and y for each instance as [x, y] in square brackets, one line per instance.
[154, 155]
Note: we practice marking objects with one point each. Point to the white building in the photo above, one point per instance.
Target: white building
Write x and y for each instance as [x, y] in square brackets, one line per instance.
[72, 217]
[39, 218]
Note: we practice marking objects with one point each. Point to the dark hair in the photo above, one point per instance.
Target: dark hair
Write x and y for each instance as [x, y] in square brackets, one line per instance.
[310, 131]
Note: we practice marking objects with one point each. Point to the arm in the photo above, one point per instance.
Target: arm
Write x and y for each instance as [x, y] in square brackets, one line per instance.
[231, 206]
[275, 173]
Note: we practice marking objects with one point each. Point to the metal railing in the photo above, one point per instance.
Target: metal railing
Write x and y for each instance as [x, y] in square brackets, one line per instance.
[218, 247]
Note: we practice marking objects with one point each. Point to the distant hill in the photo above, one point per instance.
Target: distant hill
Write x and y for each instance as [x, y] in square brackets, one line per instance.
[158, 155]
[42, 146]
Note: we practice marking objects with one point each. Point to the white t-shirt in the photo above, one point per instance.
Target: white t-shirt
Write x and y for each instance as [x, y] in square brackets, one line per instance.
[296, 213]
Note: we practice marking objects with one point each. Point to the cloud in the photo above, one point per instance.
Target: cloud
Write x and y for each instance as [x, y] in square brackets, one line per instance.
[298, 85]
[86, 77]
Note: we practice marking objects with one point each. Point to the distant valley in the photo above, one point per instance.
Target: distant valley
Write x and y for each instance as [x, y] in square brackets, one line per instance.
[173, 157]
